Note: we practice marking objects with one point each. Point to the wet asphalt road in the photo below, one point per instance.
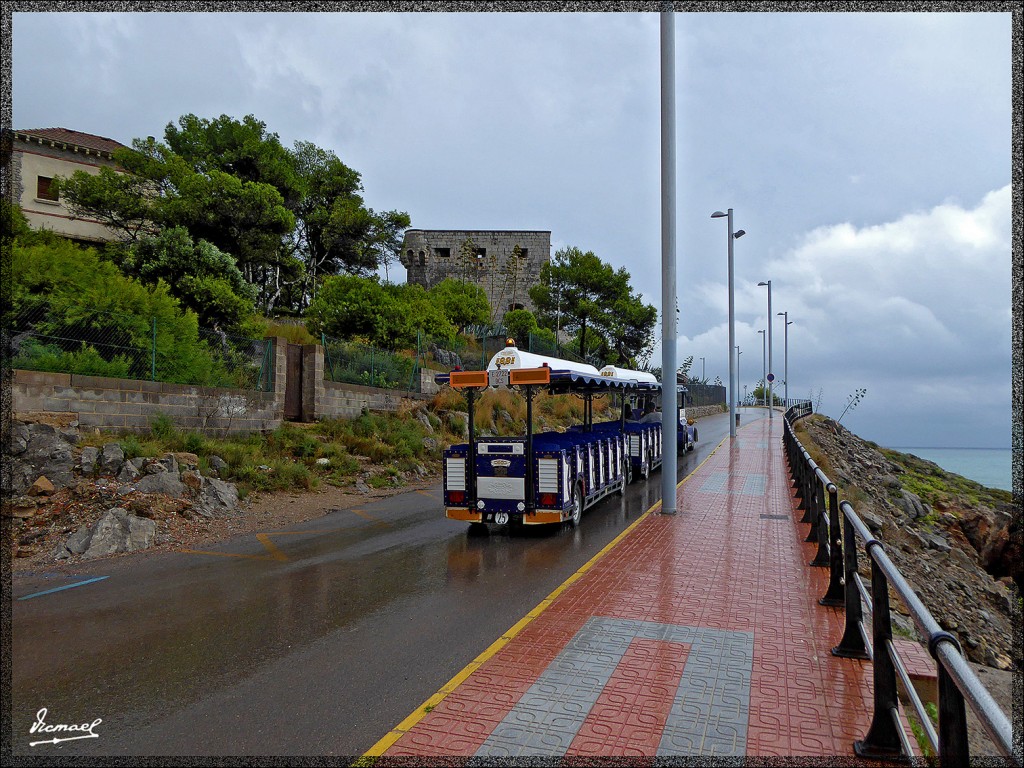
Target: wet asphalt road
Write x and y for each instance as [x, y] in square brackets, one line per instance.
[314, 641]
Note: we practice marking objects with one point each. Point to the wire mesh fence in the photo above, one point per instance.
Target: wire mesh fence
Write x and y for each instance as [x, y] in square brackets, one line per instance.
[354, 363]
[98, 343]
[476, 354]
[704, 394]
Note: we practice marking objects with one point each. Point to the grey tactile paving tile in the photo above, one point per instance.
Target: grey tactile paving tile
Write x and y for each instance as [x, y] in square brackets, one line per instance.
[710, 705]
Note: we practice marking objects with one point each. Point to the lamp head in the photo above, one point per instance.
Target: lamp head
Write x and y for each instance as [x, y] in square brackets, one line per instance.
[718, 215]
[762, 283]
[739, 233]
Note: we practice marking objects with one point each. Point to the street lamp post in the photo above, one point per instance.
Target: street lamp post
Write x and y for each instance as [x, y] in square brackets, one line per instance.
[764, 381]
[771, 399]
[702, 376]
[738, 353]
[732, 325]
[786, 372]
[669, 297]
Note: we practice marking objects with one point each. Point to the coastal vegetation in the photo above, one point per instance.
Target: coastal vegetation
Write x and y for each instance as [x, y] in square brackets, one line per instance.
[381, 449]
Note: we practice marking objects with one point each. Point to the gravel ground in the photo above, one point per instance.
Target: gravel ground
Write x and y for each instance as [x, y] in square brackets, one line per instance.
[71, 508]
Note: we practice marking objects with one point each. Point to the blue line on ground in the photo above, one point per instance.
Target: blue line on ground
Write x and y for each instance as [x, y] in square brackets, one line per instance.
[66, 586]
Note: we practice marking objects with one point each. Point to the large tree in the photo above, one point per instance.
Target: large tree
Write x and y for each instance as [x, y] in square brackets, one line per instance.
[386, 315]
[580, 294]
[159, 189]
[288, 217]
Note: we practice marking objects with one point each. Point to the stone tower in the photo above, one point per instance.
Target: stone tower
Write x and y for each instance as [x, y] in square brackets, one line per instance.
[484, 257]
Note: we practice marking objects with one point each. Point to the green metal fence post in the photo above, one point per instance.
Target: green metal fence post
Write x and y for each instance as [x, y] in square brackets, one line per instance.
[415, 366]
[153, 365]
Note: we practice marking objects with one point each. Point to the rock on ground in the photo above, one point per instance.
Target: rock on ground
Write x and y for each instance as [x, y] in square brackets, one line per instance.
[115, 532]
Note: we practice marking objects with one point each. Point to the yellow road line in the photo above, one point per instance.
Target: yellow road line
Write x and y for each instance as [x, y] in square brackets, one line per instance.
[273, 552]
[224, 554]
[388, 740]
[368, 516]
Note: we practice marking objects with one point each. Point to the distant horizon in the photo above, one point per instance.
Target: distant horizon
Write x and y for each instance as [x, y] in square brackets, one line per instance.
[948, 448]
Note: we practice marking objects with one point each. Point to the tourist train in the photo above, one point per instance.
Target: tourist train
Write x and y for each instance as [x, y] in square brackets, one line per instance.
[552, 477]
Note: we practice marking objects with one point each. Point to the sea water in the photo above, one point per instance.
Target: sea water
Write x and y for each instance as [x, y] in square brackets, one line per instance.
[992, 467]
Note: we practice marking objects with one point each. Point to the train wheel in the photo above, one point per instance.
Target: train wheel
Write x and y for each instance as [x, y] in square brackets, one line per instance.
[627, 476]
[645, 467]
[577, 508]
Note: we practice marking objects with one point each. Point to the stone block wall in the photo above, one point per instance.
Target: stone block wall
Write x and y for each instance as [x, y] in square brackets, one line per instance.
[129, 405]
[431, 255]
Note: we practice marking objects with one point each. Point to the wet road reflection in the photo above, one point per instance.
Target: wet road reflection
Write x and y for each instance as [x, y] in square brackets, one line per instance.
[320, 653]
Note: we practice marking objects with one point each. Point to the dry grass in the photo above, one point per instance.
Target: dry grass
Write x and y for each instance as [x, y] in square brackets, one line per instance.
[448, 400]
[295, 334]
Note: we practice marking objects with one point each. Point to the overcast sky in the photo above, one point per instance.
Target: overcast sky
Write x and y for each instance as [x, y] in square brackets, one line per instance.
[867, 156]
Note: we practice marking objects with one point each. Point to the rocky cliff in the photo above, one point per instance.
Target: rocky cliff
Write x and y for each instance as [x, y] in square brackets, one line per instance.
[957, 543]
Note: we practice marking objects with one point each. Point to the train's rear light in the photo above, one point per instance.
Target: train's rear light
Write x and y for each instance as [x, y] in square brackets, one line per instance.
[547, 499]
[456, 497]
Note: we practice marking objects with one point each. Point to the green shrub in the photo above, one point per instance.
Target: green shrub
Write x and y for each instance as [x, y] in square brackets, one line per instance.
[193, 442]
[162, 427]
[131, 446]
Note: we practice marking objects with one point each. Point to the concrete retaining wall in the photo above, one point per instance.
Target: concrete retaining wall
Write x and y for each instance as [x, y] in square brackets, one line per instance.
[131, 405]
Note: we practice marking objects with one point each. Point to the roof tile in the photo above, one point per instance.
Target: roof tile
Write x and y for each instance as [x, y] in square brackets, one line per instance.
[77, 138]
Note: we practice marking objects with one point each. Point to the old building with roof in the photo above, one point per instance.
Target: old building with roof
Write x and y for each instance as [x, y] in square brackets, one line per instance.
[505, 263]
[38, 156]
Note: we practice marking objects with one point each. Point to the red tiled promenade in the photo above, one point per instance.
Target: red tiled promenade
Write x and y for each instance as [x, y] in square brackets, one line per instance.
[698, 634]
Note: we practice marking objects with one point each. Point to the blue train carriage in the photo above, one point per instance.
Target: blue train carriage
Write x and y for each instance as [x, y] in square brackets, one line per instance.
[686, 434]
[547, 477]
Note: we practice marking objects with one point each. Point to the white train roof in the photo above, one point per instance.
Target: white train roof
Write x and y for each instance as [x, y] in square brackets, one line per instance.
[625, 373]
[513, 357]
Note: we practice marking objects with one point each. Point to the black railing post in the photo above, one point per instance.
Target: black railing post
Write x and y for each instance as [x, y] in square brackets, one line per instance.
[834, 595]
[852, 644]
[821, 558]
[883, 738]
[807, 492]
[954, 749]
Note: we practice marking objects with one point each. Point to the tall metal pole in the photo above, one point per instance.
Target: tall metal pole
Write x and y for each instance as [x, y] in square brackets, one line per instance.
[733, 380]
[738, 353]
[785, 317]
[764, 369]
[669, 417]
[771, 397]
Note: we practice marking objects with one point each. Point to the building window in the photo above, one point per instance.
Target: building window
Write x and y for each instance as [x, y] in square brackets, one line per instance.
[444, 253]
[423, 258]
[512, 307]
[524, 252]
[46, 189]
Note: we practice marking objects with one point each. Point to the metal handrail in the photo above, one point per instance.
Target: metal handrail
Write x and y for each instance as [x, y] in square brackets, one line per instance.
[958, 684]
